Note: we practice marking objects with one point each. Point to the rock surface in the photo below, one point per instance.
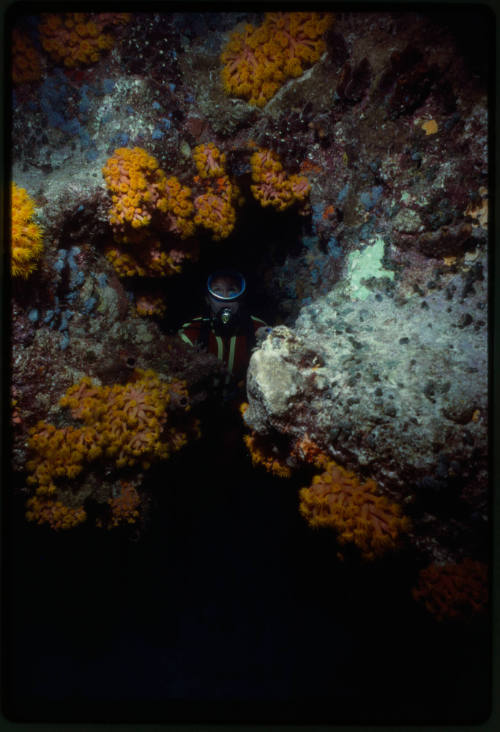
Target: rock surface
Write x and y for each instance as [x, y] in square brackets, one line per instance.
[392, 388]
[377, 289]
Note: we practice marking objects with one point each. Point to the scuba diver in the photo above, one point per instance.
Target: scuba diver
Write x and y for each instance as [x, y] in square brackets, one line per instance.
[228, 331]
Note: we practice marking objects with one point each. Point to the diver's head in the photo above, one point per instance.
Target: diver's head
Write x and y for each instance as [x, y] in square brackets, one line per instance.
[225, 294]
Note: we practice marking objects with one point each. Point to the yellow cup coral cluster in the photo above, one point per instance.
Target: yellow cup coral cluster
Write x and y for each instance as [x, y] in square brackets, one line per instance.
[453, 591]
[266, 455]
[78, 39]
[147, 260]
[258, 60]
[129, 418]
[272, 186]
[26, 235]
[178, 208]
[146, 204]
[124, 507]
[60, 453]
[215, 208]
[54, 513]
[125, 263]
[209, 160]
[150, 304]
[25, 59]
[140, 191]
[126, 423]
[336, 498]
[136, 184]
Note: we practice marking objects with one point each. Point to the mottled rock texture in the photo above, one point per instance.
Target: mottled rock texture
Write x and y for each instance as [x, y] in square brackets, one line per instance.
[384, 358]
[386, 384]
[376, 289]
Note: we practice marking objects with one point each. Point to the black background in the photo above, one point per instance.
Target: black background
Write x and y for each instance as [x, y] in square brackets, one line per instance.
[229, 607]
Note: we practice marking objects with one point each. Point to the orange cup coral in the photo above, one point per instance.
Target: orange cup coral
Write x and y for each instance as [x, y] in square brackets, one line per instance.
[147, 260]
[137, 185]
[264, 454]
[25, 59]
[27, 243]
[336, 498]
[209, 160]
[130, 418]
[78, 39]
[125, 506]
[124, 422]
[257, 61]
[149, 304]
[215, 208]
[178, 208]
[453, 591]
[55, 513]
[139, 190]
[271, 184]
[59, 453]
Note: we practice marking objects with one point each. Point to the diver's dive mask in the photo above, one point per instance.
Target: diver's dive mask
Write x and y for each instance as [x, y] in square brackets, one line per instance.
[225, 289]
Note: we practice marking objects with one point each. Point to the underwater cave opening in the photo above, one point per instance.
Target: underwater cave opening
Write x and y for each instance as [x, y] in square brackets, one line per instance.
[260, 241]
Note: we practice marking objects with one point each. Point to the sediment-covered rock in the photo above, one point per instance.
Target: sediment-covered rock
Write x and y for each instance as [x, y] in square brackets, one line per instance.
[392, 387]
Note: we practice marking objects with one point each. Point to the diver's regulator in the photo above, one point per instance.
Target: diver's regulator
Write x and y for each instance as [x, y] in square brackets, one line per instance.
[226, 316]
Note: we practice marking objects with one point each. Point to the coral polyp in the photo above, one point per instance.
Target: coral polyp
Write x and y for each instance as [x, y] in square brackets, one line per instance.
[209, 160]
[267, 456]
[354, 509]
[453, 590]
[136, 184]
[26, 234]
[78, 39]
[123, 423]
[26, 64]
[258, 60]
[124, 507]
[271, 184]
[150, 304]
[215, 209]
[56, 514]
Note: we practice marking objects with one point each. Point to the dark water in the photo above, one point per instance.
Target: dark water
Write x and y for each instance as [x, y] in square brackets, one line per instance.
[229, 607]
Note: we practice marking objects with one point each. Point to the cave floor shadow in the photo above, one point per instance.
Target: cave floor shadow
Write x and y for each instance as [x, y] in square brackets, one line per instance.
[228, 595]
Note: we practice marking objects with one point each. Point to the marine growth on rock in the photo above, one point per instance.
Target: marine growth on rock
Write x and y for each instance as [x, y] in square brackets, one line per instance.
[338, 499]
[341, 164]
[27, 237]
[258, 60]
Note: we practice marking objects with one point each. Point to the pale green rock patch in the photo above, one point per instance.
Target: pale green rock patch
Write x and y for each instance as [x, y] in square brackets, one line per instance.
[363, 265]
